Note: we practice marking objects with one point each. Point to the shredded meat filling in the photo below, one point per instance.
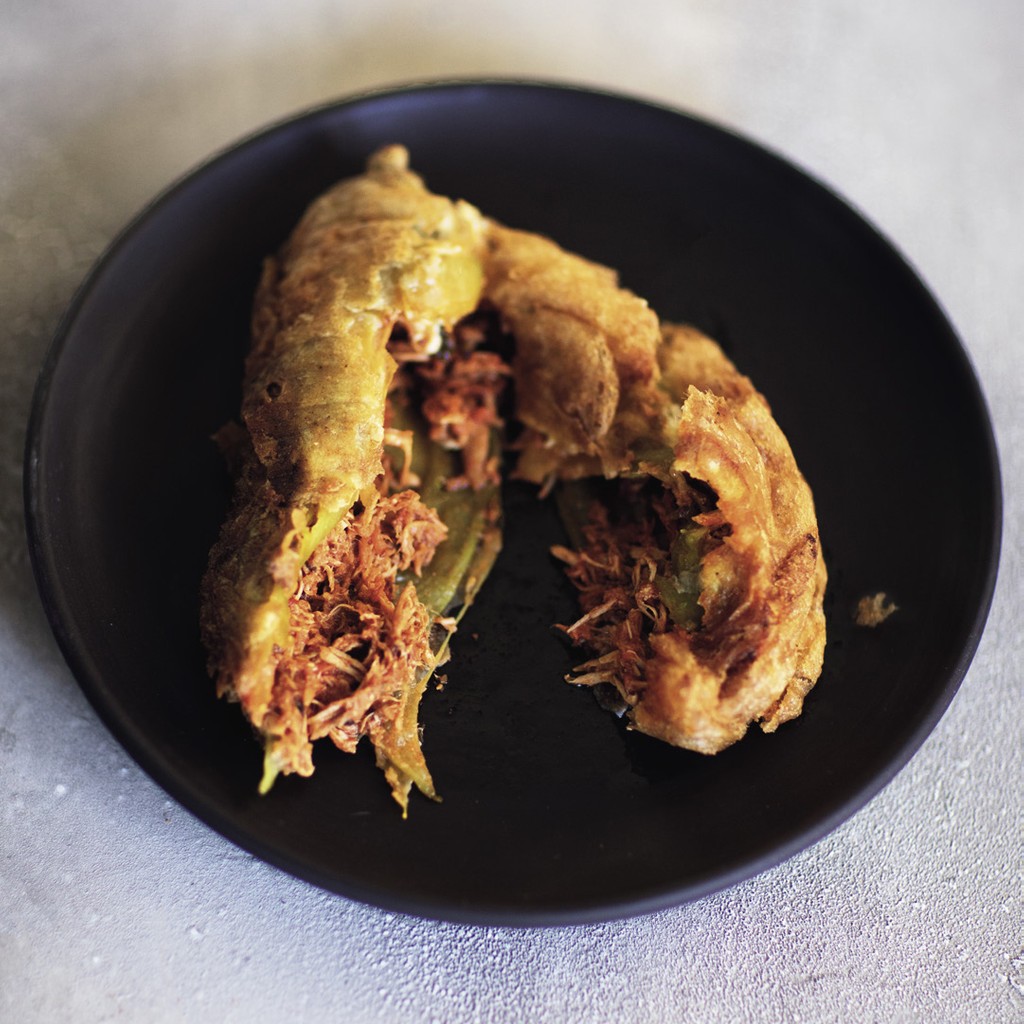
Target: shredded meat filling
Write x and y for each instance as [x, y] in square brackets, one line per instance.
[626, 554]
[457, 393]
[460, 404]
[355, 633]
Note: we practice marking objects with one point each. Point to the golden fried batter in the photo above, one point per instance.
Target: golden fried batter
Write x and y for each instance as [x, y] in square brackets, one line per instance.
[873, 609]
[579, 338]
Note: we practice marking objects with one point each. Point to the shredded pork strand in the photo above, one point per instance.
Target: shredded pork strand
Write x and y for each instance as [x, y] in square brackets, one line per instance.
[616, 574]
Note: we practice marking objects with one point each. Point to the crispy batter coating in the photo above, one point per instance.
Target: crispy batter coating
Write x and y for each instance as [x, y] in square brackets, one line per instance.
[579, 338]
[374, 251]
[873, 609]
[760, 646]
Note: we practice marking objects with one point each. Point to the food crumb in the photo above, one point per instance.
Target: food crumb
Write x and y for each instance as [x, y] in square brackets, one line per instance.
[873, 610]
[442, 682]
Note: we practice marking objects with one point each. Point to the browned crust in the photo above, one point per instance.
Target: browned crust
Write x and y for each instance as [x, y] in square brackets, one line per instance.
[761, 644]
[580, 338]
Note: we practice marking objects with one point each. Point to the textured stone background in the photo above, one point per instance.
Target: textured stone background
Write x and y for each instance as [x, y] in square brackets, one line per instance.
[116, 903]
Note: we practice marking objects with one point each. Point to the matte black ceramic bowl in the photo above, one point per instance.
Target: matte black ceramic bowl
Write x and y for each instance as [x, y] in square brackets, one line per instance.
[552, 811]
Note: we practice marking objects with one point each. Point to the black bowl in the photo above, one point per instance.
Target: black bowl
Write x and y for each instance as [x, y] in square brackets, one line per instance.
[552, 811]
